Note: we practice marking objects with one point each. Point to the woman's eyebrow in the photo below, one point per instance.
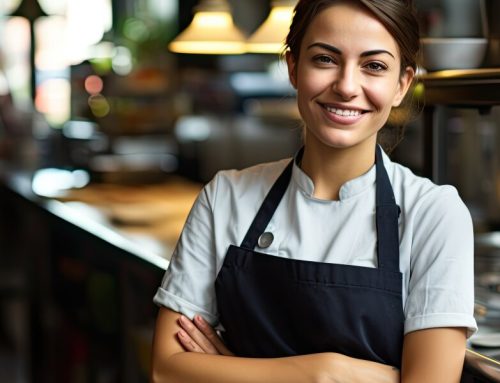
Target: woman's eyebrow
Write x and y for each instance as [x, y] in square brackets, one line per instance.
[376, 52]
[328, 47]
[336, 50]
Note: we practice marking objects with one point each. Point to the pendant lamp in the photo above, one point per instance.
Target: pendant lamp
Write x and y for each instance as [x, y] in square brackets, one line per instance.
[212, 31]
[270, 36]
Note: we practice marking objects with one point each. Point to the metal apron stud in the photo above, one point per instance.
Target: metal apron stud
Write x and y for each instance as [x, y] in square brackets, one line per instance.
[265, 240]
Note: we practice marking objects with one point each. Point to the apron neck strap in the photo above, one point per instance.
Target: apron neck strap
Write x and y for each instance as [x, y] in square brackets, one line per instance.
[387, 214]
[268, 208]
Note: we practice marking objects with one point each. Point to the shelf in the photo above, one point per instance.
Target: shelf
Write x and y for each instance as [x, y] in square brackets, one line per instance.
[462, 88]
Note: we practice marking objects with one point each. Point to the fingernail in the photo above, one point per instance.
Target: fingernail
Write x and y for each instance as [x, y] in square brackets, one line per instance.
[182, 334]
[182, 319]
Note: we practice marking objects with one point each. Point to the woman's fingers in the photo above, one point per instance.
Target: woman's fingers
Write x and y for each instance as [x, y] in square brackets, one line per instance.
[200, 343]
[188, 343]
[211, 335]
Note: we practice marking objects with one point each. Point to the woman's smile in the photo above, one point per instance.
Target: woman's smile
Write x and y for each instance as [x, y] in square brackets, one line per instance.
[343, 115]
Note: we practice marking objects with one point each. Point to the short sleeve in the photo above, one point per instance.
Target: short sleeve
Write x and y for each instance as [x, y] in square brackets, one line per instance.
[441, 284]
[188, 284]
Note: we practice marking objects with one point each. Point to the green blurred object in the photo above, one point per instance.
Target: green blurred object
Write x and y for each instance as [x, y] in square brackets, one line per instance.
[102, 66]
[419, 91]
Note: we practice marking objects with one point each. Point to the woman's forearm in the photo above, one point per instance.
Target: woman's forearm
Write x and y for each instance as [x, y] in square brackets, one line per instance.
[316, 368]
[191, 367]
[186, 359]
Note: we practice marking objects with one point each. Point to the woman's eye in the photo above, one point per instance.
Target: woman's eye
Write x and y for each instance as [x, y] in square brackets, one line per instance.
[376, 67]
[324, 60]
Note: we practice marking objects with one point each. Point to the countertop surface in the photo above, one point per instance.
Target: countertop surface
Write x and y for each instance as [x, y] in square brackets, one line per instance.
[143, 220]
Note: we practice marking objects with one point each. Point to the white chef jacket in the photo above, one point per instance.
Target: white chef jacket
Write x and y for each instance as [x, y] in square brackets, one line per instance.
[435, 239]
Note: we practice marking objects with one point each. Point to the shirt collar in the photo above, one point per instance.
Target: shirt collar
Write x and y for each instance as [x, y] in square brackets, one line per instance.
[349, 189]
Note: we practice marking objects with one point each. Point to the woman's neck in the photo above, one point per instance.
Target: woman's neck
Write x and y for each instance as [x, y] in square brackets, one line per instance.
[329, 168]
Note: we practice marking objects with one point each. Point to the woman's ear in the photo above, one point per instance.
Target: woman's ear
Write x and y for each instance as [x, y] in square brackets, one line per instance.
[405, 81]
[292, 69]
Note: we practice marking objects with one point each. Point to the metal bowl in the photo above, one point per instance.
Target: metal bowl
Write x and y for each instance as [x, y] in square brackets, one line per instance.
[453, 53]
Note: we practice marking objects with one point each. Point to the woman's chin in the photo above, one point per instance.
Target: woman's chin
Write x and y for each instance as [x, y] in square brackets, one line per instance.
[338, 141]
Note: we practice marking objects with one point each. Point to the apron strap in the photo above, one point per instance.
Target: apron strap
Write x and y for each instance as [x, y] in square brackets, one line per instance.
[267, 208]
[387, 214]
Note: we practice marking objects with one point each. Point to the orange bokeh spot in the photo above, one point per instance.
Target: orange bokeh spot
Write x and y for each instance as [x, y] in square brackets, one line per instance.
[93, 84]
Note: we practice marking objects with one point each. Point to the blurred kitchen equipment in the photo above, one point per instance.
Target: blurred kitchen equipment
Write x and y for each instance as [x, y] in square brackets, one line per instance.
[479, 368]
[453, 53]
[490, 15]
[135, 159]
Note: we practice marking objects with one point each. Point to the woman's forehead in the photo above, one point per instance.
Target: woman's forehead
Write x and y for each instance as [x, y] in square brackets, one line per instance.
[351, 25]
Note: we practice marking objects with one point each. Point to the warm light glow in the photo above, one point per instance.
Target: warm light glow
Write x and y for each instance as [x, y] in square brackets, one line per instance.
[54, 7]
[50, 42]
[207, 47]
[212, 20]
[270, 36]
[14, 52]
[8, 6]
[93, 84]
[87, 20]
[210, 33]
[53, 100]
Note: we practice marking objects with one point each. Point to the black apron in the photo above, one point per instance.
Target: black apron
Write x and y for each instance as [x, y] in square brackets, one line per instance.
[271, 306]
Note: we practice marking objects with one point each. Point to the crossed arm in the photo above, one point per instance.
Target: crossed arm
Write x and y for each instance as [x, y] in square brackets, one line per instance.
[191, 352]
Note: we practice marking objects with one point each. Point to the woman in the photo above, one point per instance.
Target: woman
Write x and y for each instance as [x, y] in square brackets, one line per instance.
[338, 266]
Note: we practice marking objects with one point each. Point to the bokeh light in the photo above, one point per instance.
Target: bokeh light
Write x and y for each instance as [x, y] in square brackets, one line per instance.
[122, 61]
[94, 84]
[99, 105]
[52, 99]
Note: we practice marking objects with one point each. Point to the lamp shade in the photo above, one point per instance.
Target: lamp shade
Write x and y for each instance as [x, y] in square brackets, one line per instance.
[270, 36]
[212, 31]
[29, 9]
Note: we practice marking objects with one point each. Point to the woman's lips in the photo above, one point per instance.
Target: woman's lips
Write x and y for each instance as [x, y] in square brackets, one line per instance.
[343, 116]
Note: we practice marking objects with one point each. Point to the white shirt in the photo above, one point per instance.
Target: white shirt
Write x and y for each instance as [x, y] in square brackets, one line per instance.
[435, 234]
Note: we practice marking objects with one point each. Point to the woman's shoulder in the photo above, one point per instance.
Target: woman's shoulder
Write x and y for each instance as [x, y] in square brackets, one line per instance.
[405, 181]
[255, 180]
[419, 193]
[268, 171]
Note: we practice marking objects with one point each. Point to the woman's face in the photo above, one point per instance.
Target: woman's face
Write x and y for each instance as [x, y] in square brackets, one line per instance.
[347, 76]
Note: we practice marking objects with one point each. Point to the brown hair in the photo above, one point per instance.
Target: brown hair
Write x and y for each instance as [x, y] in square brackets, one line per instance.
[397, 16]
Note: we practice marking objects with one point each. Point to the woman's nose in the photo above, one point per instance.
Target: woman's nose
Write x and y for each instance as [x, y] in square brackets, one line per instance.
[346, 85]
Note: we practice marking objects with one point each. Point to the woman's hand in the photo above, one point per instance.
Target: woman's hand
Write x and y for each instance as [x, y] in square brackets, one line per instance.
[199, 336]
[352, 370]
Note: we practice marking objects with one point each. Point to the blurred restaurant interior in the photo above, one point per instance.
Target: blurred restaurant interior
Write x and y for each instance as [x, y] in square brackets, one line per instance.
[112, 119]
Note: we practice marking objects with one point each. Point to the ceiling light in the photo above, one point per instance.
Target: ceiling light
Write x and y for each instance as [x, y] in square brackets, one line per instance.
[212, 31]
[270, 36]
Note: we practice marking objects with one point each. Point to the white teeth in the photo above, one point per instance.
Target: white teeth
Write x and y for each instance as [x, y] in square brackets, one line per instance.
[343, 112]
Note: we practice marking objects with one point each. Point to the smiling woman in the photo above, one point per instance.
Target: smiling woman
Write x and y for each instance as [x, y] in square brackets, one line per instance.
[338, 265]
